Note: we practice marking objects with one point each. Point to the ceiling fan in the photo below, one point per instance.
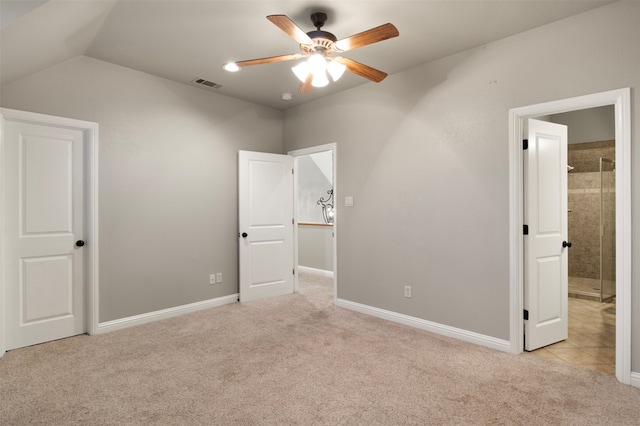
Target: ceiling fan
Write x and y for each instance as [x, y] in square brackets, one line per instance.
[318, 46]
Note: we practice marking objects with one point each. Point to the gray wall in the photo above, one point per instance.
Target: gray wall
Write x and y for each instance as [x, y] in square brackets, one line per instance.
[432, 142]
[168, 173]
[588, 125]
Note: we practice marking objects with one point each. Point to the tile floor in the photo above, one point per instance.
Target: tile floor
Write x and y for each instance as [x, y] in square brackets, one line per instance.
[588, 288]
[592, 337]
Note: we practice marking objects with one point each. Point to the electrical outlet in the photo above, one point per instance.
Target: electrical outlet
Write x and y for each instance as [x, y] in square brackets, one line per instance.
[219, 277]
[407, 291]
[212, 279]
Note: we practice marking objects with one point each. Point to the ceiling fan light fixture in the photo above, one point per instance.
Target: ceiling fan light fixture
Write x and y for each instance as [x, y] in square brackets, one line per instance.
[336, 69]
[231, 67]
[317, 66]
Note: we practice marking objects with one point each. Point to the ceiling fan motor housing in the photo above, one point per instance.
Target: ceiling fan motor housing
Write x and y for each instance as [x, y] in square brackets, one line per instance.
[323, 41]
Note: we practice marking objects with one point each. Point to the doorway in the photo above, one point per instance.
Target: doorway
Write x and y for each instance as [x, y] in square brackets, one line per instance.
[591, 201]
[590, 342]
[620, 99]
[267, 233]
[315, 192]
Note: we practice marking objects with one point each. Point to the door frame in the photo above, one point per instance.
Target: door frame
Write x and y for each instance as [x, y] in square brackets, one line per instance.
[90, 132]
[306, 151]
[621, 99]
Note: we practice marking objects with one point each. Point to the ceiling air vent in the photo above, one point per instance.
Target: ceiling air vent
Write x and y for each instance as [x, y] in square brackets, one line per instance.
[201, 82]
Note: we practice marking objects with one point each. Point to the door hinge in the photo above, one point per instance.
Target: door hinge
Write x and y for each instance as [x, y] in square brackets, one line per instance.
[526, 315]
[293, 222]
[525, 143]
[291, 171]
[293, 271]
[525, 229]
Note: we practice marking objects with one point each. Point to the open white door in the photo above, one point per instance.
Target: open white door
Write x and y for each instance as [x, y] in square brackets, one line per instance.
[265, 198]
[545, 215]
[43, 228]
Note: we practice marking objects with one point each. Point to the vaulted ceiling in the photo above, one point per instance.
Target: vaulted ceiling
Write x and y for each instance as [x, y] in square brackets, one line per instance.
[182, 40]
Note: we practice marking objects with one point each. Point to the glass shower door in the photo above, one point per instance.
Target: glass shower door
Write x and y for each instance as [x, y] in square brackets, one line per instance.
[607, 229]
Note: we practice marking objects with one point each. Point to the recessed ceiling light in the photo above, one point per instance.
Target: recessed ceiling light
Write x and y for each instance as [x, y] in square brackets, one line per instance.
[231, 67]
[287, 96]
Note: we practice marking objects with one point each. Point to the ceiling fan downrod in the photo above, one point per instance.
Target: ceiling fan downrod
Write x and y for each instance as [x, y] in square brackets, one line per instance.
[318, 19]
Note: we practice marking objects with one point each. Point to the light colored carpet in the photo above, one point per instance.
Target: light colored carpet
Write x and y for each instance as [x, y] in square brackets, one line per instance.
[297, 360]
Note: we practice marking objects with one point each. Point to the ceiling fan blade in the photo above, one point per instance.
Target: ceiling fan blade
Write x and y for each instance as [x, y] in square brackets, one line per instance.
[374, 35]
[280, 58]
[306, 87]
[289, 27]
[361, 69]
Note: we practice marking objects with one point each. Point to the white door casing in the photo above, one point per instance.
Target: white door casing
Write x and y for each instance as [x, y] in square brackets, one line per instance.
[265, 202]
[48, 202]
[545, 215]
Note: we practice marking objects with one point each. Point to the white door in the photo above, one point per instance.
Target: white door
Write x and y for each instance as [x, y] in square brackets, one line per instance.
[265, 196]
[44, 218]
[545, 268]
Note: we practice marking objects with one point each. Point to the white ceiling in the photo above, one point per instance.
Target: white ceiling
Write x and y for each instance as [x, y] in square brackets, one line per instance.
[182, 40]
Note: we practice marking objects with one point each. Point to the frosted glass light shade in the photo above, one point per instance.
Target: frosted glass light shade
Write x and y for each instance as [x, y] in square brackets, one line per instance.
[320, 79]
[317, 63]
[301, 71]
[336, 69]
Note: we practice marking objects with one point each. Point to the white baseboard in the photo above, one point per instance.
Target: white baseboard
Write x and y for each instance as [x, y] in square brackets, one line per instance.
[433, 327]
[119, 324]
[635, 379]
[314, 271]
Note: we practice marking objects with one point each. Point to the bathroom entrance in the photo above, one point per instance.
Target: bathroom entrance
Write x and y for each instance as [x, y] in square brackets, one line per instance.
[591, 234]
[616, 315]
[591, 202]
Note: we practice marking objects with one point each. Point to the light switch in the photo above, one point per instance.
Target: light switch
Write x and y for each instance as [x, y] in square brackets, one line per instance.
[348, 201]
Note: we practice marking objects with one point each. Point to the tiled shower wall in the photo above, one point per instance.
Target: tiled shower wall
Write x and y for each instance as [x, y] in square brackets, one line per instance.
[584, 206]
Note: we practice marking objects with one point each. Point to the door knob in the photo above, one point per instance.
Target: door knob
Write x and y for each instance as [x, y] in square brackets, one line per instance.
[245, 235]
[79, 243]
[566, 244]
